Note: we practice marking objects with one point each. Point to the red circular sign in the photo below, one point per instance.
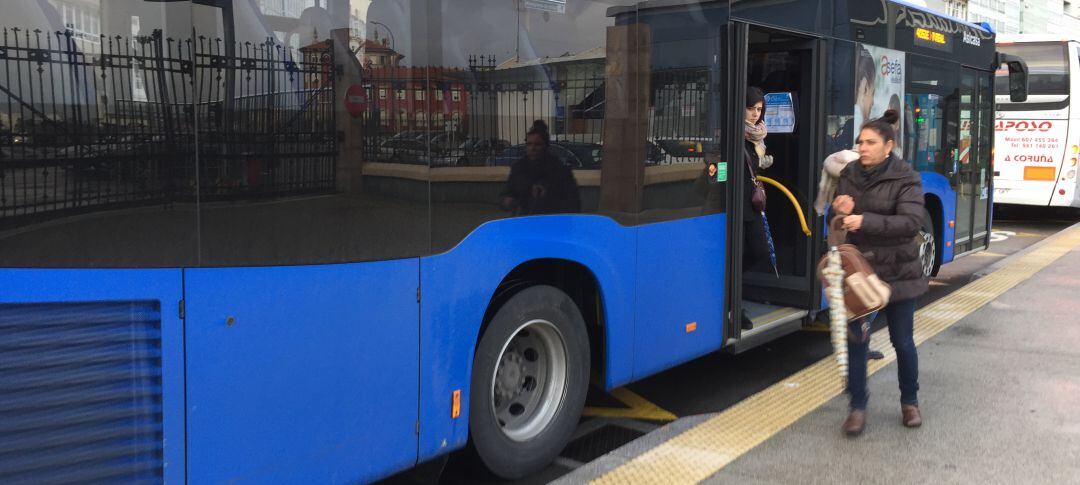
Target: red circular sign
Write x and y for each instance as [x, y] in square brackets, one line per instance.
[356, 100]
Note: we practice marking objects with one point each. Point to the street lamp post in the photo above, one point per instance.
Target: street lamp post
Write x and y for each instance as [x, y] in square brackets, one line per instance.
[393, 45]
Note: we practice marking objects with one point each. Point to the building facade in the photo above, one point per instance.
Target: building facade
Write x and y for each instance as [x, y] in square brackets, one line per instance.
[1015, 16]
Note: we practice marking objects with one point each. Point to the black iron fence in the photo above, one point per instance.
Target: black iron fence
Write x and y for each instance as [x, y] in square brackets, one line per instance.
[479, 117]
[151, 120]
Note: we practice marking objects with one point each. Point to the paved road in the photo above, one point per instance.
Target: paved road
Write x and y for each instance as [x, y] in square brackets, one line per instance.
[714, 382]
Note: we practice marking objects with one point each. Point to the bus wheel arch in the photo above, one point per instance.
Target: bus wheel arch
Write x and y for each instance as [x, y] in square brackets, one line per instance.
[575, 279]
[530, 378]
[930, 237]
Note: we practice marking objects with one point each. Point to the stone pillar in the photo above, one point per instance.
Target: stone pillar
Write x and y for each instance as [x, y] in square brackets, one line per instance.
[348, 166]
[626, 100]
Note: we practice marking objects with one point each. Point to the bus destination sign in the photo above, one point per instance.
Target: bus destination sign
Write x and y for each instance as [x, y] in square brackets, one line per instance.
[933, 39]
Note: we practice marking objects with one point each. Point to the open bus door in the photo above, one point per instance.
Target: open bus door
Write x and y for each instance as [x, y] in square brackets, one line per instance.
[972, 175]
[785, 66]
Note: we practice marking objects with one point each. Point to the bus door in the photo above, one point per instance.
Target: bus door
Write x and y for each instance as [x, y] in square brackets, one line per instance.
[971, 158]
[784, 66]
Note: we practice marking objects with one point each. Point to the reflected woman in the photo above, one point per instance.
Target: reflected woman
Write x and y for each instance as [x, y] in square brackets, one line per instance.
[540, 183]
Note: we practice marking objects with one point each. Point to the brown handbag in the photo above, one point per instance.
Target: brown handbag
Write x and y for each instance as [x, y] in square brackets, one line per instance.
[864, 292]
[757, 199]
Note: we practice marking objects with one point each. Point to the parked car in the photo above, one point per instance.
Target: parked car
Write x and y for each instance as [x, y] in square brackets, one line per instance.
[682, 150]
[476, 152]
[579, 155]
[403, 151]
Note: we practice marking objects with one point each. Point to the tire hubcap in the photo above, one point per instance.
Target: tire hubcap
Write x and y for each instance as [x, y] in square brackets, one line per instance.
[927, 252]
[530, 380]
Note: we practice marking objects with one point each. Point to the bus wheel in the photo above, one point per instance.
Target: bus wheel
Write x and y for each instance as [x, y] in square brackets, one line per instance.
[530, 377]
[928, 252]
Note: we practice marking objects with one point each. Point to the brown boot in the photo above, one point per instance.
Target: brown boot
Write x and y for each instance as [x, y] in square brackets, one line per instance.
[855, 422]
[912, 416]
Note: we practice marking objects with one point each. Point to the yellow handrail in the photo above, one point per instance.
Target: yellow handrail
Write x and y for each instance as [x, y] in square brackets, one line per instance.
[794, 201]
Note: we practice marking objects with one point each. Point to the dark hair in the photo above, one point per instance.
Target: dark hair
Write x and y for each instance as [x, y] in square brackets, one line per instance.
[864, 68]
[540, 128]
[894, 101]
[884, 126]
[754, 95]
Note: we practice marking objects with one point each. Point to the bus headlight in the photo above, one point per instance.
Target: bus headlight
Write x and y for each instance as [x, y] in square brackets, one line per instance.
[1071, 175]
[1074, 161]
[1076, 150]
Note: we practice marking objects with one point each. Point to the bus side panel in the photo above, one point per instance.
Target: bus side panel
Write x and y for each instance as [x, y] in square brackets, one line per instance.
[937, 185]
[680, 292]
[57, 288]
[458, 285]
[302, 374]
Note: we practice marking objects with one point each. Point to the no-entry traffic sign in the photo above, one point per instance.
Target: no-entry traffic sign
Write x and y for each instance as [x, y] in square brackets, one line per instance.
[355, 100]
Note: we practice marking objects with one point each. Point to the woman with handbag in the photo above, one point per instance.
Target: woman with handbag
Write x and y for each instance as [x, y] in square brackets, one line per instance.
[755, 246]
[881, 201]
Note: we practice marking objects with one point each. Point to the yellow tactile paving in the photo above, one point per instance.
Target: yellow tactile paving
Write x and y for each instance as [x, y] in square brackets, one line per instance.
[704, 449]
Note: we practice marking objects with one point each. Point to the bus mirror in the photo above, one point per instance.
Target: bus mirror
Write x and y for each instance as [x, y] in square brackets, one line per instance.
[1018, 77]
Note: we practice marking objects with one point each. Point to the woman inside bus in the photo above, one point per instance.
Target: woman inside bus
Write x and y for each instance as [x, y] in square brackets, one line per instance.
[755, 246]
[881, 201]
[539, 183]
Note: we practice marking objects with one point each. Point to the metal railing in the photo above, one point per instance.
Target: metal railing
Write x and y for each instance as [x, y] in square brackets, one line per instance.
[501, 104]
[151, 120]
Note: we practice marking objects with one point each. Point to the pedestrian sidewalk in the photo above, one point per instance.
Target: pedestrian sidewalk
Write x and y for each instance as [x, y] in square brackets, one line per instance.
[999, 369]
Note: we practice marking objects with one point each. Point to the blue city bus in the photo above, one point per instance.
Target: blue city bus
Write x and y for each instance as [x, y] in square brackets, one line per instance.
[249, 241]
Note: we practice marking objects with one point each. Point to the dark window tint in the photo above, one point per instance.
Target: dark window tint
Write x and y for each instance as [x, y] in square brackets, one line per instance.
[292, 175]
[1048, 68]
[98, 113]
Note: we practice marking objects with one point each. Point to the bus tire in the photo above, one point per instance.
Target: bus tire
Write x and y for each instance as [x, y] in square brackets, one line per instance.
[530, 377]
[929, 250]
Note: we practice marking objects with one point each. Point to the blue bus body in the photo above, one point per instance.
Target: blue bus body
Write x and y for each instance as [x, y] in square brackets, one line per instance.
[209, 272]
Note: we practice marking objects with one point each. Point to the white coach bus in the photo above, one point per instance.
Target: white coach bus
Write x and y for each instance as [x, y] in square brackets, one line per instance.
[1037, 141]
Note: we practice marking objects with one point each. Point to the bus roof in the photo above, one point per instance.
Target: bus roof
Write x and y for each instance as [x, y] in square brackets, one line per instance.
[1020, 38]
[942, 15]
[650, 4]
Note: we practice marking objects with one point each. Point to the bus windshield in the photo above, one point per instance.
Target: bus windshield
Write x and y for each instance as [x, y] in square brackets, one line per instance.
[1049, 70]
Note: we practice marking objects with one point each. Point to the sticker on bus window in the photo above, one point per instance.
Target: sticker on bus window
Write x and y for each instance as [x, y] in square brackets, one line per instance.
[779, 113]
[721, 172]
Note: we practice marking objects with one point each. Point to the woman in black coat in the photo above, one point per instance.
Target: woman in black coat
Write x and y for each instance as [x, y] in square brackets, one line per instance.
[755, 246]
[539, 183]
[881, 199]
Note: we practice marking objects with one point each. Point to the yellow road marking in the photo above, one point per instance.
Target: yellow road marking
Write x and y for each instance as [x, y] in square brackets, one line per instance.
[988, 253]
[638, 408]
[701, 451]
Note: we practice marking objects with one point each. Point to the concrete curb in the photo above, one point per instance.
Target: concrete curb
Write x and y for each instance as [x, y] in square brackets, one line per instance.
[619, 456]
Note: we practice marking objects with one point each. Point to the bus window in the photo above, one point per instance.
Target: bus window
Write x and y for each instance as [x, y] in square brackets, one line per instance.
[1047, 64]
[930, 90]
[280, 185]
[96, 159]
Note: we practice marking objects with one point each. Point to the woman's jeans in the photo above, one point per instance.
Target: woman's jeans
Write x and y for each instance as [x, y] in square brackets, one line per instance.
[901, 316]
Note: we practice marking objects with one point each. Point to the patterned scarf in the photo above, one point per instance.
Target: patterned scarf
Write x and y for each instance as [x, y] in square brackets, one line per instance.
[756, 134]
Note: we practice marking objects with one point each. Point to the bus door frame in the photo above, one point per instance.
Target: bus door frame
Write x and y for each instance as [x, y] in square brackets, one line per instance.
[809, 293]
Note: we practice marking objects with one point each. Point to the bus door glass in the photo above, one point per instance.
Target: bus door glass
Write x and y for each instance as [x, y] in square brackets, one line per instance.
[982, 161]
[961, 166]
[972, 161]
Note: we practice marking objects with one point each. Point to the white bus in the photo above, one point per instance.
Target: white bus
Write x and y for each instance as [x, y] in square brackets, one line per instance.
[1037, 142]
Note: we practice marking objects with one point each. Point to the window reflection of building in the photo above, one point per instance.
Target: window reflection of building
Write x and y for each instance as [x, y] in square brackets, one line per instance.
[377, 52]
[420, 91]
[83, 19]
